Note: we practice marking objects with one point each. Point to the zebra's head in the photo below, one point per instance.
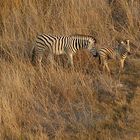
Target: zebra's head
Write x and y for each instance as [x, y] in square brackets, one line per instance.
[91, 43]
[126, 44]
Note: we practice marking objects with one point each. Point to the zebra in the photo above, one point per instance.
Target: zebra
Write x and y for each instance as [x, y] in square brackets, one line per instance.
[57, 45]
[119, 52]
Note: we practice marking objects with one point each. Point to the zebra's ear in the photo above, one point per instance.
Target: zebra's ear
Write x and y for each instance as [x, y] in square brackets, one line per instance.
[122, 42]
[128, 45]
[127, 42]
[95, 41]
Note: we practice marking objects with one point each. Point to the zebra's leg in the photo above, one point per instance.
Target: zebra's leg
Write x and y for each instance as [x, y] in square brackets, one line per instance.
[103, 63]
[100, 66]
[70, 59]
[38, 61]
[106, 65]
[51, 60]
[121, 65]
[103, 67]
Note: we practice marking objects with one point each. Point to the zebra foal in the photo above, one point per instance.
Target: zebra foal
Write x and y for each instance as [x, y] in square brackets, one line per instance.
[57, 45]
[119, 52]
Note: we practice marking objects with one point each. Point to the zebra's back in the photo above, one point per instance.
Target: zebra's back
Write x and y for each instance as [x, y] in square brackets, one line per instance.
[107, 52]
[54, 44]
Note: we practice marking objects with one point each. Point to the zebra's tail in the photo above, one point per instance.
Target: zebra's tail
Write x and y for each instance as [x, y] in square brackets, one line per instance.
[32, 54]
[99, 59]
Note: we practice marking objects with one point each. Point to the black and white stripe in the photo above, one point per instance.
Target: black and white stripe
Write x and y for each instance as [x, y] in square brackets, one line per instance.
[56, 45]
[119, 52]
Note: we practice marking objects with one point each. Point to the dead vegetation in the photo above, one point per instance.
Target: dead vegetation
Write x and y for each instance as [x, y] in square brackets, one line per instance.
[63, 103]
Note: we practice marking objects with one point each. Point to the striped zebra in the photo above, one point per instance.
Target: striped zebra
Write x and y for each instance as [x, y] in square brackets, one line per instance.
[57, 45]
[119, 52]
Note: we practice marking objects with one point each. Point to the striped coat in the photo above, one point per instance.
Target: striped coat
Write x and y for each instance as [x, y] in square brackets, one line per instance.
[120, 52]
[57, 45]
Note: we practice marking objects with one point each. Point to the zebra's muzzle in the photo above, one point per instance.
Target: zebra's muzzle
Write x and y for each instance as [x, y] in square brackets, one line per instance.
[95, 54]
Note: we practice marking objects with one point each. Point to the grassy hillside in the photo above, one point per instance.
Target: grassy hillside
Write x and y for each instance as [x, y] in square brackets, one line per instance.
[66, 104]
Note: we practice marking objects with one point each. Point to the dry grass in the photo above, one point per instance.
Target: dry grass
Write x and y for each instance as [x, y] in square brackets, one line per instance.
[63, 103]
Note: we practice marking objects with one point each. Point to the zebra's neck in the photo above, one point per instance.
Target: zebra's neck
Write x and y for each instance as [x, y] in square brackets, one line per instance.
[83, 43]
[120, 50]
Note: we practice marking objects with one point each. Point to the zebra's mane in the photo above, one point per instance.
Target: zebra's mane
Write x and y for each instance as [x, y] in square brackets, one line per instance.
[83, 36]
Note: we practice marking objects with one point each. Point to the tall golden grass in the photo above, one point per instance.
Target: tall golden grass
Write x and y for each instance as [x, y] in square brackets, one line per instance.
[63, 103]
